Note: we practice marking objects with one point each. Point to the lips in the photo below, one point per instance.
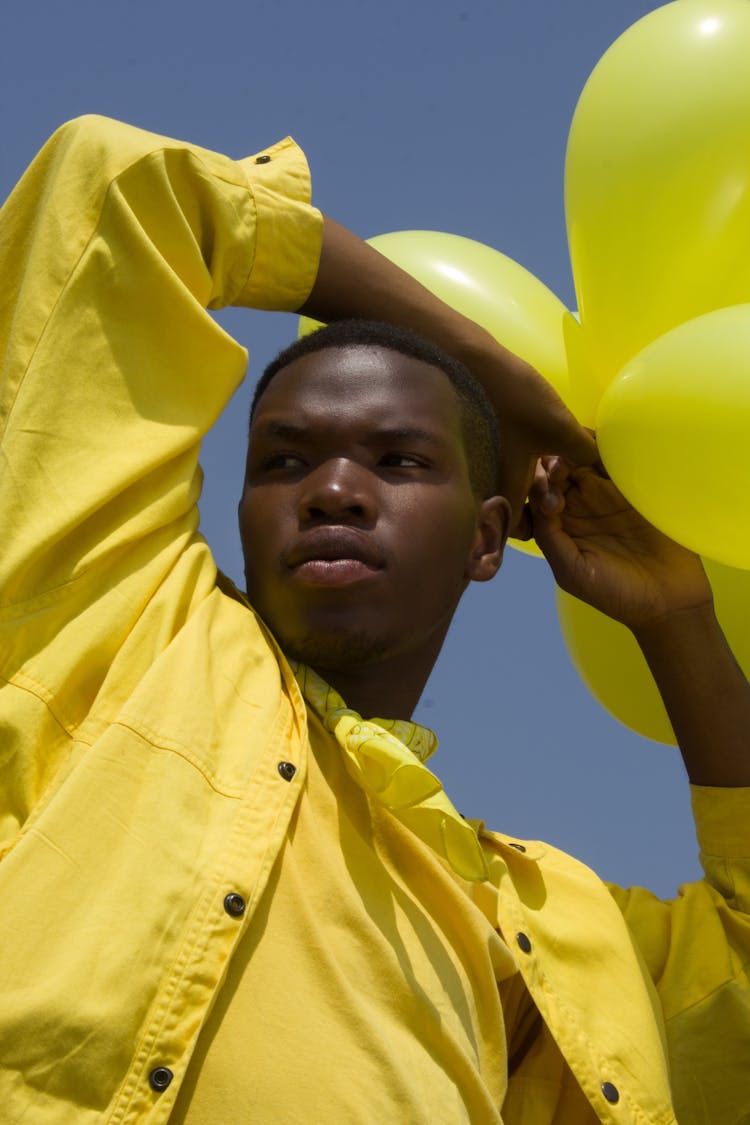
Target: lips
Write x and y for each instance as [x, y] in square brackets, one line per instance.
[333, 544]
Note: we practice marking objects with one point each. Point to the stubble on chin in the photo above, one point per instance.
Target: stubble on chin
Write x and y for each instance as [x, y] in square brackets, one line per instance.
[331, 652]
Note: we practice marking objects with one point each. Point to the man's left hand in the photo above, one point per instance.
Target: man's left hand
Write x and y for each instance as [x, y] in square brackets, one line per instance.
[603, 552]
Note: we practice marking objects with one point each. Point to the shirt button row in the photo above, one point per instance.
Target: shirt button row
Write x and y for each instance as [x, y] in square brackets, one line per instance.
[161, 1076]
[610, 1091]
[234, 903]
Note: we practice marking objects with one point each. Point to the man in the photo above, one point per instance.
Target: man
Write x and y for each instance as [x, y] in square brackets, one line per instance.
[224, 901]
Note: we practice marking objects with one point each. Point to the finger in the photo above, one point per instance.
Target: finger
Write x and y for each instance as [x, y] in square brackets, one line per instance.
[547, 497]
[516, 480]
[556, 468]
[549, 503]
[540, 484]
[524, 529]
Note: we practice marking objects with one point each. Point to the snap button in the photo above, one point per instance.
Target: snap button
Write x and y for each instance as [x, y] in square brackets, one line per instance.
[265, 159]
[518, 847]
[523, 942]
[611, 1093]
[234, 905]
[159, 1078]
[287, 770]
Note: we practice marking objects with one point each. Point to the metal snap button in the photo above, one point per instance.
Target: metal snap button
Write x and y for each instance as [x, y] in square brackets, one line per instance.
[234, 905]
[159, 1078]
[287, 770]
[611, 1093]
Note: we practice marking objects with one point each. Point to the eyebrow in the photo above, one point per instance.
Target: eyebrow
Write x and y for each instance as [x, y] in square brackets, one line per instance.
[287, 431]
[284, 430]
[399, 434]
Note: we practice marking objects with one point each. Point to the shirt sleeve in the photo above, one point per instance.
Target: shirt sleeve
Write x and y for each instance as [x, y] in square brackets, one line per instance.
[697, 949]
[113, 246]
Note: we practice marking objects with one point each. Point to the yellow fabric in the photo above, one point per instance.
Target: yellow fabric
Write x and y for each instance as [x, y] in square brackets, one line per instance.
[386, 757]
[145, 710]
[366, 990]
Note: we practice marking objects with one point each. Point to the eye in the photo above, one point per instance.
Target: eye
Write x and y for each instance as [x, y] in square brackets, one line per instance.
[403, 461]
[278, 462]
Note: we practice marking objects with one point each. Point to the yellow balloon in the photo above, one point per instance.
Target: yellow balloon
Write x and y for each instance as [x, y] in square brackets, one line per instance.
[658, 211]
[493, 290]
[307, 325]
[609, 661]
[607, 658]
[496, 292]
[657, 181]
[673, 429]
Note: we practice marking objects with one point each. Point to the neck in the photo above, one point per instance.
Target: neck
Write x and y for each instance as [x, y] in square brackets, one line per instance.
[389, 689]
[391, 702]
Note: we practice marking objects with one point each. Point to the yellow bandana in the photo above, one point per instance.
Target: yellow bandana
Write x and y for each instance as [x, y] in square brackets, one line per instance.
[385, 757]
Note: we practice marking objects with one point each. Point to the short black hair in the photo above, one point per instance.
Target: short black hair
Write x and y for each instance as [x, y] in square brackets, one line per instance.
[478, 421]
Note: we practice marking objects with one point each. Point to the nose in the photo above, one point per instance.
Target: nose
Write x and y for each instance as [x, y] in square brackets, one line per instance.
[338, 489]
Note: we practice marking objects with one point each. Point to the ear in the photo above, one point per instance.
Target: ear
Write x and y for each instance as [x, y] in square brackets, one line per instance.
[493, 524]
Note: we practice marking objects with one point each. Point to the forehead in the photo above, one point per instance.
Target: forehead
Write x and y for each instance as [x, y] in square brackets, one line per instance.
[362, 383]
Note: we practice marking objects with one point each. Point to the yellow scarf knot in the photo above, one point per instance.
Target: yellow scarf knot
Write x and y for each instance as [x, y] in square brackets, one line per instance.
[385, 757]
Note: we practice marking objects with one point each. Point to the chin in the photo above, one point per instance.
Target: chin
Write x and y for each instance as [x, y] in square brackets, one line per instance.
[332, 652]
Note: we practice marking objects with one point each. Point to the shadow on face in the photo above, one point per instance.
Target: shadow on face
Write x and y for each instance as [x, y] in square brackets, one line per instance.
[360, 526]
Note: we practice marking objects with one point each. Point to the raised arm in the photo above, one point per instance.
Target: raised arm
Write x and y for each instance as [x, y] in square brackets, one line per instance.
[111, 370]
[696, 947]
[113, 245]
[604, 553]
[112, 248]
[355, 281]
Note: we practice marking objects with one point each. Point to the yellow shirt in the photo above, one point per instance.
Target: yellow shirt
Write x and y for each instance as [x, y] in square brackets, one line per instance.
[154, 744]
[367, 989]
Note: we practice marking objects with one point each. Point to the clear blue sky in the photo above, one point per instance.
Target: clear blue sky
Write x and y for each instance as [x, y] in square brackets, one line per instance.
[448, 115]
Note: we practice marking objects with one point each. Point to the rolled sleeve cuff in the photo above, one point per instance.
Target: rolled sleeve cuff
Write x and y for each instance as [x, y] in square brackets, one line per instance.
[288, 231]
[721, 820]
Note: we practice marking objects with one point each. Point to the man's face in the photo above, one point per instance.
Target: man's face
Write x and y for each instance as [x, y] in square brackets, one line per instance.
[359, 526]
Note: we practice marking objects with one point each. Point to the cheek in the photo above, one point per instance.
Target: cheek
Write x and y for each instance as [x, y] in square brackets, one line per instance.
[260, 527]
[437, 539]
[246, 524]
[260, 508]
